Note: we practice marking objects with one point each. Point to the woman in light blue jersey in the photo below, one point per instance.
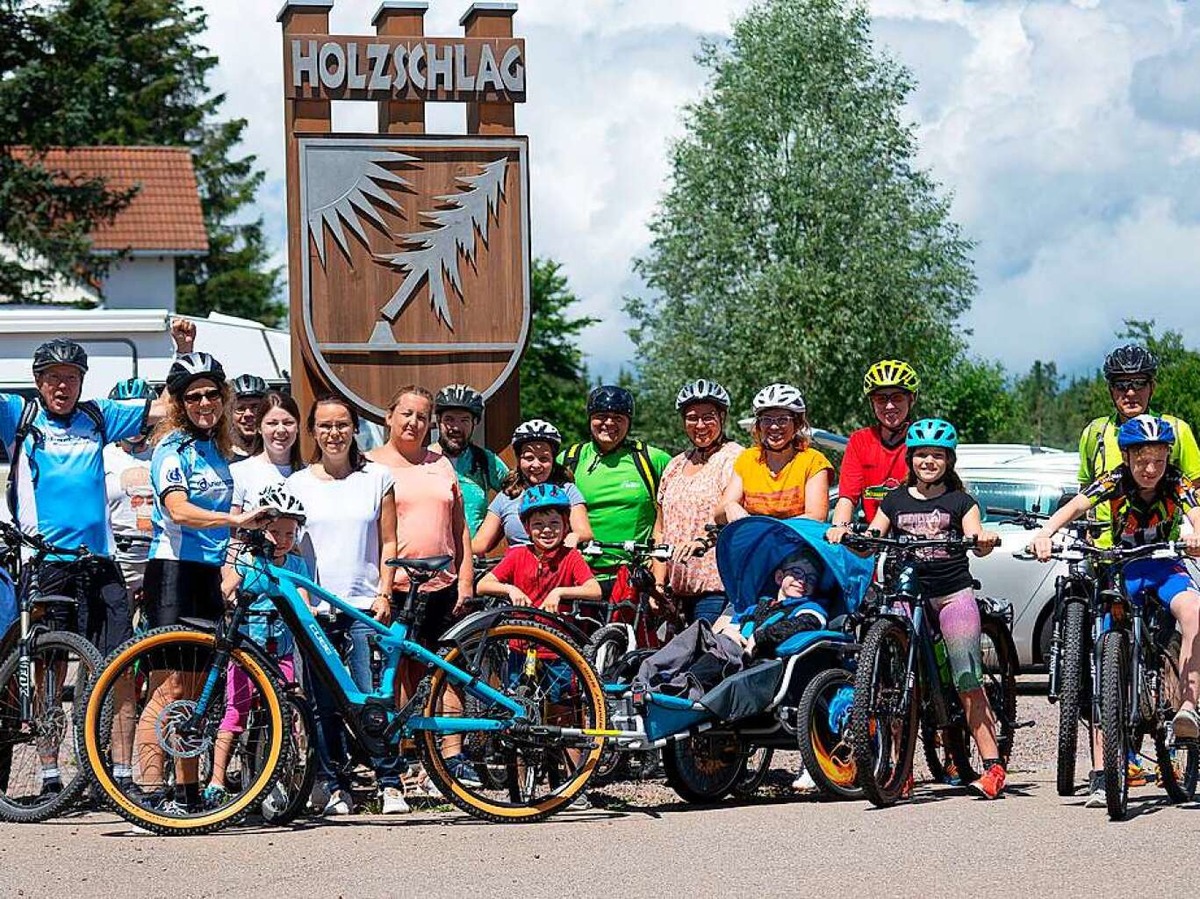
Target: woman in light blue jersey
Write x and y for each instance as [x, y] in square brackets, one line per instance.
[189, 475]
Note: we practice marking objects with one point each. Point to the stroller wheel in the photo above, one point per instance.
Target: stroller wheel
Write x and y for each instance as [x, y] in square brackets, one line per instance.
[823, 728]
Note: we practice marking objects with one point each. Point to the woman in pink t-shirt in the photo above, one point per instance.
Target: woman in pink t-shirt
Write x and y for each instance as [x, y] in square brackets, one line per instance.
[688, 494]
[430, 521]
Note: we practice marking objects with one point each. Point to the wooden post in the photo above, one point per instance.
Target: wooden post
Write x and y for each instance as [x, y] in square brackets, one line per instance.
[495, 20]
[401, 18]
[312, 116]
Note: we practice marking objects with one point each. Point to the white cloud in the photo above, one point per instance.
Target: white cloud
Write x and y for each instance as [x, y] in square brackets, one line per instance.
[1069, 133]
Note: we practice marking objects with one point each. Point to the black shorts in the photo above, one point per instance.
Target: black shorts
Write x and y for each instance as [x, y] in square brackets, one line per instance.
[175, 590]
[438, 614]
[101, 613]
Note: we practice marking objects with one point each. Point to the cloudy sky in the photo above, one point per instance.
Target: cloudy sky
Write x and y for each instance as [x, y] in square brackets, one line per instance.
[1067, 130]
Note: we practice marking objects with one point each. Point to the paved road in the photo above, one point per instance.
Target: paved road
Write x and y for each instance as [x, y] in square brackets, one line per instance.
[1031, 843]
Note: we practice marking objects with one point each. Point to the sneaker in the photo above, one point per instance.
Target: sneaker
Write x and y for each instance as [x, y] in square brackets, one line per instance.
[1096, 797]
[1135, 774]
[276, 801]
[319, 798]
[581, 803]
[991, 784]
[907, 790]
[339, 803]
[461, 769]
[424, 788]
[52, 786]
[1186, 725]
[805, 783]
[950, 775]
[393, 802]
[214, 796]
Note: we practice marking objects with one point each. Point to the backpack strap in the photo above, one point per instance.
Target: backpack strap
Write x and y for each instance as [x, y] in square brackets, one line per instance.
[645, 467]
[25, 427]
[571, 459]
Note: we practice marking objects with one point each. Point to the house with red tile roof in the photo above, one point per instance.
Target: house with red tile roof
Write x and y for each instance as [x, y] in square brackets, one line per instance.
[163, 222]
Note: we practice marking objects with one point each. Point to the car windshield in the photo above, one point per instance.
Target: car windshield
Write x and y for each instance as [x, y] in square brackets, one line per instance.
[1026, 497]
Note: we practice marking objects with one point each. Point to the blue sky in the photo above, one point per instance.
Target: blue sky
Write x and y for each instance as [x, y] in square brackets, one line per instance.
[1067, 132]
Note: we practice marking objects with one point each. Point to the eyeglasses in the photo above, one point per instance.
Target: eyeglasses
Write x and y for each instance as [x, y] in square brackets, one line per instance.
[1126, 385]
[200, 396]
[706, 418]
[607, 416]
[884, 400]
[340, 426]
[775, 421]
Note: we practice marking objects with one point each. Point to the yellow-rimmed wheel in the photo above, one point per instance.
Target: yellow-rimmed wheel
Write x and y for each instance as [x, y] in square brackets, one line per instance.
[547, 675]
[168, 758]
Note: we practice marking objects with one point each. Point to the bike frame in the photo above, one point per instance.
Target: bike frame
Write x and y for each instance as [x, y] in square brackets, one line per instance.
[394, 645]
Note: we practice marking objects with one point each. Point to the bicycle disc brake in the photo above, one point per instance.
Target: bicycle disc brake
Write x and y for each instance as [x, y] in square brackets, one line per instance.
[175, 734]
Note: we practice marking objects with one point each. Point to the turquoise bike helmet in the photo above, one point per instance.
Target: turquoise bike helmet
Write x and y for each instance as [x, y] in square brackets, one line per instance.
[932, 432]
[544, 496]
[1144, 430]
[132, 389]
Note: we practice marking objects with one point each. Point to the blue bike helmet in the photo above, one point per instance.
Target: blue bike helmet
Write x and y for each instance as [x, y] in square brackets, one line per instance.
[544, 496]
[1143, 430]
[132, 389]
[932, 432]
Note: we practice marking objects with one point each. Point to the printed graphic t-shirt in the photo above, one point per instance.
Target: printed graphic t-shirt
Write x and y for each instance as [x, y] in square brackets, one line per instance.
[130, 496]
[782, 495]
[940, 573]
[870, 470]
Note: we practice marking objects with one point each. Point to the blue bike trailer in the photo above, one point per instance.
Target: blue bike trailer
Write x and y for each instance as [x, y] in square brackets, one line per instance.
[750, 549]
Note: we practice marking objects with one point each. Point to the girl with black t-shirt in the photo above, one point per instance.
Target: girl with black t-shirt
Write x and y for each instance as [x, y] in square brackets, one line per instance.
[933, 505]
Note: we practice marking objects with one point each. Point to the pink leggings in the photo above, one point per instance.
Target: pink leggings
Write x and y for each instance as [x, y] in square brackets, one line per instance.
[239, 694]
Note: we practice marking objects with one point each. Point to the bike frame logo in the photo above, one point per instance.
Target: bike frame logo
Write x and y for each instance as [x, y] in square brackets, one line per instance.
[416, 260]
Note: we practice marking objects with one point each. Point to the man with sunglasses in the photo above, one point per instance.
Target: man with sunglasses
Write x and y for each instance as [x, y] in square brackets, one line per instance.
[874, 462]
[1130, 372]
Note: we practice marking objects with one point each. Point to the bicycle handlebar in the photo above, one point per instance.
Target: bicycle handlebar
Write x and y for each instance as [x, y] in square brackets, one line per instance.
[866, 538]
[13, 536]
[1078, 551]
[655, 552]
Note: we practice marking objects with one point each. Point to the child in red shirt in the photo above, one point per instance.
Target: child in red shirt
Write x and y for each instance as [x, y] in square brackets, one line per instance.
[545, 572]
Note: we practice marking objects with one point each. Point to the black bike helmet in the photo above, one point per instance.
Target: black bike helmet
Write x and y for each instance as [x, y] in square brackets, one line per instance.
[459, 396]
[610, 398]
[1130, 360]
[249, 387]
[59, 351]
[192, 367]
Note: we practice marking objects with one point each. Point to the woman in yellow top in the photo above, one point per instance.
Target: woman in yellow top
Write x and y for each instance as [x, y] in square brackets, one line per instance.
[781, 475]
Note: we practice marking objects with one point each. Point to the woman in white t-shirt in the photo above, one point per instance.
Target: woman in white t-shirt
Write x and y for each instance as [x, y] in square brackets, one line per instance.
[349, 532]
[277, 451]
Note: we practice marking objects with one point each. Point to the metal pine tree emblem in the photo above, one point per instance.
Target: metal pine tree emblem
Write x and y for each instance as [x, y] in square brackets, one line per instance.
[417, 262]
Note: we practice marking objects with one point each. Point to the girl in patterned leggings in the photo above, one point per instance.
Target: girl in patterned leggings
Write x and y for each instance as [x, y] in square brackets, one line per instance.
[934, 505]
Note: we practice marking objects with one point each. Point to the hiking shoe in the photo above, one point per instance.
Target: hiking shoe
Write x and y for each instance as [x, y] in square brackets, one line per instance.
[393, 802]
[460, 768]
[805, 783]
[339, 803]
[991, 784]
[1096, 797]
[1186, 725]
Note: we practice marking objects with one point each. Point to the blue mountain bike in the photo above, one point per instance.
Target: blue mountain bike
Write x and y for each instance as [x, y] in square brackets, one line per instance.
[509, 690]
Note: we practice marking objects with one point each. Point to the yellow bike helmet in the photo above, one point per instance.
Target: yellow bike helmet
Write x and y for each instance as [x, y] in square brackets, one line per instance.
[890, 373]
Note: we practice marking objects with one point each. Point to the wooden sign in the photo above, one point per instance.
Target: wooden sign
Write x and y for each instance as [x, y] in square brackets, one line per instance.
[335, 67]
[408, 254]
[417, 264]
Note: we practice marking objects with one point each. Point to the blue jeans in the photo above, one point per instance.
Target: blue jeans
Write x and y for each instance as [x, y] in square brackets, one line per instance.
[358, 660]
[708, 606]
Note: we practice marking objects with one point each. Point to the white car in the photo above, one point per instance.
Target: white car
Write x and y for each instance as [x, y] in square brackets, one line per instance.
[1028, 482]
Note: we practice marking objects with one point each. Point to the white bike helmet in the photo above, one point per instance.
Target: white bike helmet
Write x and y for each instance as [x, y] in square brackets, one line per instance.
[702, 391]
[536, 429]
[281, 500]
[779, 396]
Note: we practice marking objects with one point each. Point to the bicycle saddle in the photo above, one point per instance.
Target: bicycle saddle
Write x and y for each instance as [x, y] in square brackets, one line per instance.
[428, 565]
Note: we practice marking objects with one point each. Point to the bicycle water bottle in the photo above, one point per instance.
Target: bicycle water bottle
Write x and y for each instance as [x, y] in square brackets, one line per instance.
[943, 660]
